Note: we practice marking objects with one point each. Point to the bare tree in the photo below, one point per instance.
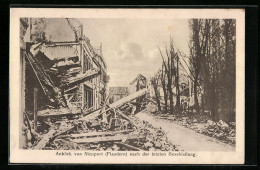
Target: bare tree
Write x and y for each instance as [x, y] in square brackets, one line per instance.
[212, 52]
[155, 84]
[163, 79]
[170, 74]
[176, 68]
[195, 49]
[229, 36]
[170, 69]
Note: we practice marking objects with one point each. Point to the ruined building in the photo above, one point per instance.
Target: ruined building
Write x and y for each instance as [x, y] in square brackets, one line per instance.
[117, 93]
[61, 78]
[140, 82]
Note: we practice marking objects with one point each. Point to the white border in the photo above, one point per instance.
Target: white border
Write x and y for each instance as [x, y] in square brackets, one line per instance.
[30, 156]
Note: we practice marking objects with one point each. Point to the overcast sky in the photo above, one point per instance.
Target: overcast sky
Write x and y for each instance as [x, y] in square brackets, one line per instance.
[129, 45]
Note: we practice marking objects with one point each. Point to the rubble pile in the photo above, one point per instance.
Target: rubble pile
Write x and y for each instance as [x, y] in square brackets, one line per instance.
[220, 130]
[106, 129]
[156, 139]
[68, 107]
[118, 135]
[145, 137]
[200, 123]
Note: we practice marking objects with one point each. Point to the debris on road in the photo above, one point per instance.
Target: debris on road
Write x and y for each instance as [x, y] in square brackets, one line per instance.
[121, 131]
[201, 124]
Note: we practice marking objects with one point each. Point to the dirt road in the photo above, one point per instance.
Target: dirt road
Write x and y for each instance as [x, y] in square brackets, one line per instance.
[187, 139]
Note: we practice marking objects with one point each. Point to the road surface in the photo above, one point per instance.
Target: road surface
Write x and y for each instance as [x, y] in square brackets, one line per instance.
[187, 139]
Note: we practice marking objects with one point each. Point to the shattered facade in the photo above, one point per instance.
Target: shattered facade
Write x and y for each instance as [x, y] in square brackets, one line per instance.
[59, 78]
[71, 74]
[80, 70]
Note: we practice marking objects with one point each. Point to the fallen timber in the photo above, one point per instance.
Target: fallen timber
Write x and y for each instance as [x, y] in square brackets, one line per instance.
[124, 116]
[116, 104]
[91, 116]
[50, 135]
[45, 140]
[81, 77]
[141, 136]
[77, 134]
[58, 112]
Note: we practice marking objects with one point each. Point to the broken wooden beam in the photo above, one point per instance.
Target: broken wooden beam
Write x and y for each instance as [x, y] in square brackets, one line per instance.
[46, 138]
[66, 63]
[107, 138]
[128, 98]
[124, 116]
[82, 77]
[115, 104]
[58, 112]
[118, 103]
[51, 135]
[91, 134]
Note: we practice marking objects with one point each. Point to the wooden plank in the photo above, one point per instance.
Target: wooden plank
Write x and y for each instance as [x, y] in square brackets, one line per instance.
[46, 138]
[58, 112]
[120, 102]
[128, 98]
[70, 98]
[99, 133]
[71, 89]
[60, 115]
[108, 138]
[129, 146]
[81, 77]
[115, 104]
[124, 116]
[50, 135]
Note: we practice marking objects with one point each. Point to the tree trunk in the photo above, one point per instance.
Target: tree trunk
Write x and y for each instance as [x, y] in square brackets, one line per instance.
[157, 96]
[156, 92]
[177, 86]
[196, 101]
[169, 85]
[171, 99]
[165, 98]
[165, 94]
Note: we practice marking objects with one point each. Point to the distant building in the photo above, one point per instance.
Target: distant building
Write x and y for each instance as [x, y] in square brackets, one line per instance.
[117, 93]
[140, 82]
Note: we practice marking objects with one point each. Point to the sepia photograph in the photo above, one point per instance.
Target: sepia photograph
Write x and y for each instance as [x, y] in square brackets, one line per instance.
[125, 87]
